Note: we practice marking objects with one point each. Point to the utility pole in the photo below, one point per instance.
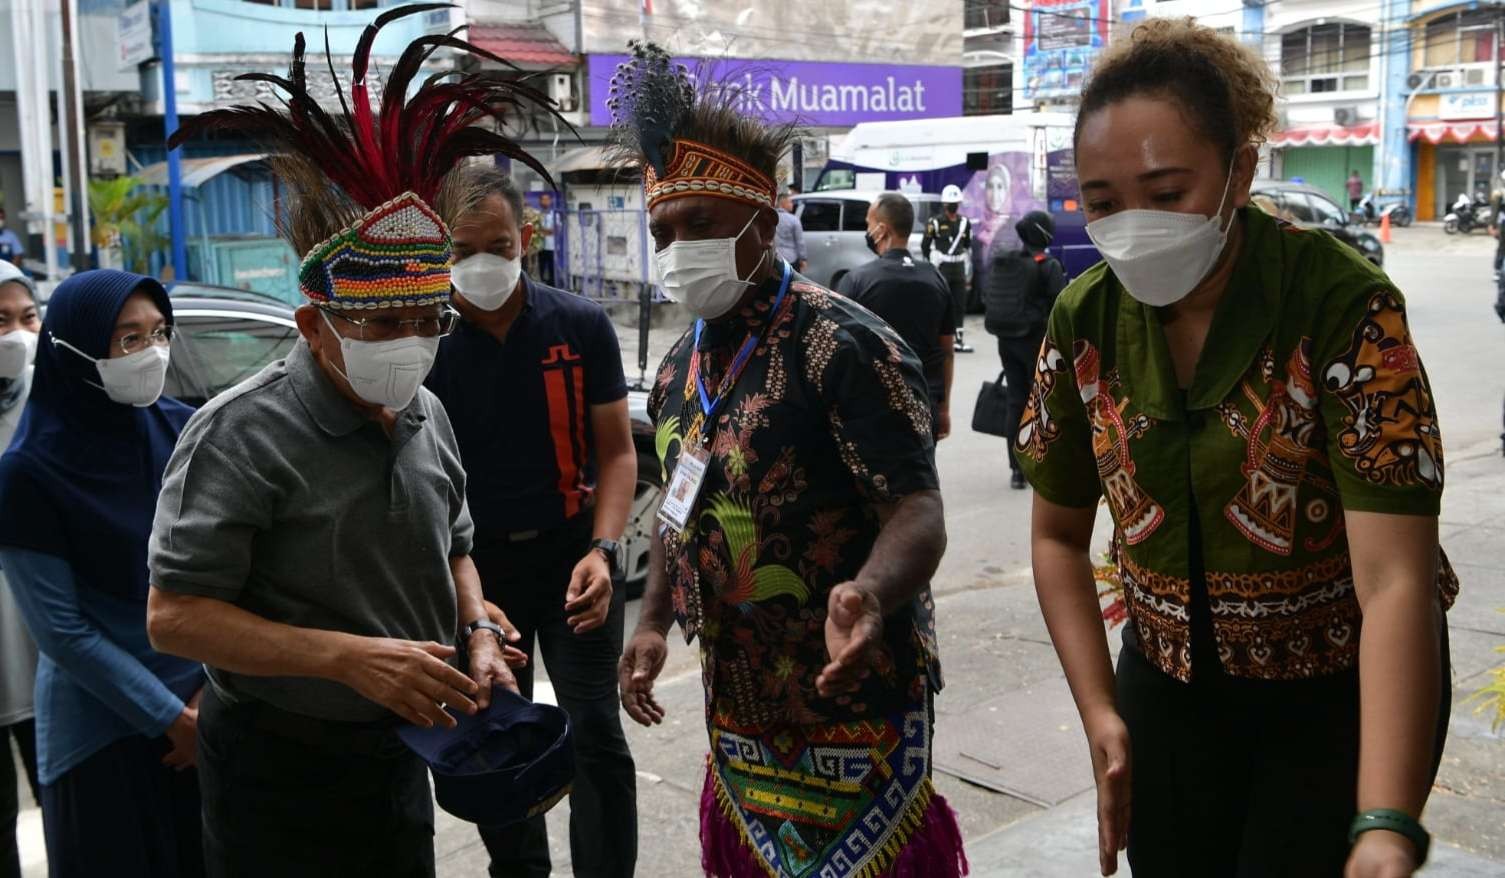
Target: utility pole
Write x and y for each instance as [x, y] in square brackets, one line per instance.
[175, 224]
[70, 127]
[1499, 93]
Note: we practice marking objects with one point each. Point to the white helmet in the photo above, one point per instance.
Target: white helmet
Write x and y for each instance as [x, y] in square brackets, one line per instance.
[951, 195]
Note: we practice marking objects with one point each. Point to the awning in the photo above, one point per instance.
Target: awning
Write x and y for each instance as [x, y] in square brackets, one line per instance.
[1367, 134]
[1451, 132]
[585, 158]
[526, 44]
[196, 172]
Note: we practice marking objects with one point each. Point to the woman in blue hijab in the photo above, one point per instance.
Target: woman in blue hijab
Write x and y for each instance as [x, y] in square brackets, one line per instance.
[116, 720]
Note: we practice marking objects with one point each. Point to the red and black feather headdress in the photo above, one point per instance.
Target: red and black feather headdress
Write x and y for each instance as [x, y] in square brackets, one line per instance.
[404, 149]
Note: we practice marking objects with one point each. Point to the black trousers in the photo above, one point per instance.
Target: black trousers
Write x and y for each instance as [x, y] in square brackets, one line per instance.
[297, 797]
[527, 579]
[122, 813]
[25, 735]
[1241, 778]
[1018, 356]
[546, 267]
[955, 275]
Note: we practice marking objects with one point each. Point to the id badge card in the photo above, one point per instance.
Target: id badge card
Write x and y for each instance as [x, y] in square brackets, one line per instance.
[684, 488]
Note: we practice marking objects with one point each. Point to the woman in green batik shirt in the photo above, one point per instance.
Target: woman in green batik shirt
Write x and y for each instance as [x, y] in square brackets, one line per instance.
[1247, 399]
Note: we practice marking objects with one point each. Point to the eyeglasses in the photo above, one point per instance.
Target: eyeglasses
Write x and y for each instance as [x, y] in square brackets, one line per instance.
[140, 341]
[387, 328]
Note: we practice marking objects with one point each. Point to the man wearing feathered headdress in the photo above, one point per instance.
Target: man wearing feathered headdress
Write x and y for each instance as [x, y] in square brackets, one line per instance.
[312, 540]
[801, 523]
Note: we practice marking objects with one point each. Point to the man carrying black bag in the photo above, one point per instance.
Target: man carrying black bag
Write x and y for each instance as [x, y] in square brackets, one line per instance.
[1019, 290]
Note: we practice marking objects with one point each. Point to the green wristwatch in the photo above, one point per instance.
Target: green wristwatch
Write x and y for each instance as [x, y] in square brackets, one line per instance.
[1398, 822]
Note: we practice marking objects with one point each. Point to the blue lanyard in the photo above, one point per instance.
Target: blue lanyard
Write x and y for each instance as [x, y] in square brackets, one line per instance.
[709, 406]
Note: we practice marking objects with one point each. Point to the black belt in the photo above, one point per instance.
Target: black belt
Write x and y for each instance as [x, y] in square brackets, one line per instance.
[377, 739]
[570, 527]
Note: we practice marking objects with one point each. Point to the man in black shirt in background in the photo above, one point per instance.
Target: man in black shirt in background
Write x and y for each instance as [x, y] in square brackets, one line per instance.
[532, 381]
[910, 296]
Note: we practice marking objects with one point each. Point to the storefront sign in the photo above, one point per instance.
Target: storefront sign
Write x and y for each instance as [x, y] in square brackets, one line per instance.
[1061, 37]
[812, 93]
[1467, 105]
[134, 35]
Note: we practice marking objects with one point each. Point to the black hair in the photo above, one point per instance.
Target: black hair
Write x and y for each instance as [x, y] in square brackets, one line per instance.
[489, 181]
[896, 210]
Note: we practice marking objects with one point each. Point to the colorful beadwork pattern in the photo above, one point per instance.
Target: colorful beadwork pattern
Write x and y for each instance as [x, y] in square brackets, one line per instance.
[697, 169]
[395, 256]
[834, 801]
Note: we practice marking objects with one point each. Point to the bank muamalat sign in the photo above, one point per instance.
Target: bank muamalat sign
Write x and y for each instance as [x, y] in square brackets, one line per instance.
[813, 93]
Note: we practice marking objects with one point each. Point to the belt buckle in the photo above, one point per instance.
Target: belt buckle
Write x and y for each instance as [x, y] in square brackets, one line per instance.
[522, 536]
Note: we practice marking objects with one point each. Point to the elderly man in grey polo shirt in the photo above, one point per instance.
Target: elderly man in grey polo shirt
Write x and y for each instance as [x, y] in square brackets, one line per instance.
[312, 549]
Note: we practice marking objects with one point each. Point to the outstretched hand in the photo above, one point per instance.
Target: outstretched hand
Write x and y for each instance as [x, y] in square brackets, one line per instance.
[854, 634]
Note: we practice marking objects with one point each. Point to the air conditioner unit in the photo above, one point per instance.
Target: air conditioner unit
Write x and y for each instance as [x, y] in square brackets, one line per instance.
[1473, 76]
[562, 91]
[1414, 81]
[1446, 79]
[1344, 116]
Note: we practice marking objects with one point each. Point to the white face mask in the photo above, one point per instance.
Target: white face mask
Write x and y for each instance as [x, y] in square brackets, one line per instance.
[17, 350]
[486, 280]
[386, 373]
[134, 379]
[1161, 255]
[703, 274]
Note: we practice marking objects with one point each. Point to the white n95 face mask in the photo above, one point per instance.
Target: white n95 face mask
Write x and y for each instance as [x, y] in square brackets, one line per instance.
[703, 274]
[386, 373]
[1161, 255]
[17, 350]
[486, 280]
[134, 379]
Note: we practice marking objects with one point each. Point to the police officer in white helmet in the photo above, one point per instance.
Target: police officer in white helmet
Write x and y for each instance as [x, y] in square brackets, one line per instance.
[949, 236]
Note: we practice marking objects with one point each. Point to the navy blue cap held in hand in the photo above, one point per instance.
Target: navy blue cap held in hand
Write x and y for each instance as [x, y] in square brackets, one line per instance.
[509, 762]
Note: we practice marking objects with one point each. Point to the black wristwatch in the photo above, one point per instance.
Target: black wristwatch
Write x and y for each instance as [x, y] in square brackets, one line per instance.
[484, 625]
[612, 551]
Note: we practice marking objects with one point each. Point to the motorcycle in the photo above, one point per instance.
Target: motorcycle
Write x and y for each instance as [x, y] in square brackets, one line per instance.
[1467, 214]
[1366, 215]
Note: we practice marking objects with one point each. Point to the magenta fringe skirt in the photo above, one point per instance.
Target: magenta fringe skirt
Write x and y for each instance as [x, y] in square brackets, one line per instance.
[931, 849]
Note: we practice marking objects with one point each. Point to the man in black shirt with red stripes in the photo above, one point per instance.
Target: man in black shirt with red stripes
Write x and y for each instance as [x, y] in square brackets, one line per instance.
[532, 381]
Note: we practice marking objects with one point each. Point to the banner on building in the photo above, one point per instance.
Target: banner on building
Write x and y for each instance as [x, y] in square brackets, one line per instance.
[1061, 37]
[812, 93]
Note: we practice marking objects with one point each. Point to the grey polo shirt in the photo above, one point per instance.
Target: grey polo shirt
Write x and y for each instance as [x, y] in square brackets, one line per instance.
[283, 499]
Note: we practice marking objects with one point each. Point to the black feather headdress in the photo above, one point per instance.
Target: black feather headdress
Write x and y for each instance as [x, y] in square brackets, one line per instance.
[690, 136]
[650, 95]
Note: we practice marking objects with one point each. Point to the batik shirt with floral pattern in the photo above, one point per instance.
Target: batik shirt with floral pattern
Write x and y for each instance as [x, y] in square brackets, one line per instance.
[828, 422]
[1309, 400]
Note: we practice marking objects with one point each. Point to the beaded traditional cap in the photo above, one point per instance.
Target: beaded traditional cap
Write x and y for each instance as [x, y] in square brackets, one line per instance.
[375, 237]
[397, 255]
[697, 169]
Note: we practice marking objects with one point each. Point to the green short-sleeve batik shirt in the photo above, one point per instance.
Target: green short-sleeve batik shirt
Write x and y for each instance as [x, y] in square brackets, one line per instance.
[1310, 398]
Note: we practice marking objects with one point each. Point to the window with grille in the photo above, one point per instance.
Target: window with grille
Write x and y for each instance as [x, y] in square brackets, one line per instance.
[1324, 58]
[986, 13]
[1459, 39]
[988, 90]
